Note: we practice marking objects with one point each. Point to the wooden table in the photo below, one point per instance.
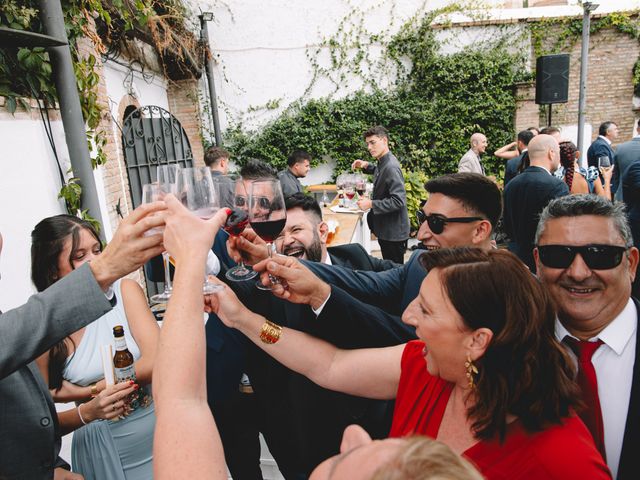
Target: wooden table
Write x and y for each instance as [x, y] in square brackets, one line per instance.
[352, 228]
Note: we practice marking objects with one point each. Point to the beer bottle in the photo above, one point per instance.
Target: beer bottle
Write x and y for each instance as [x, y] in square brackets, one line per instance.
[123, 359]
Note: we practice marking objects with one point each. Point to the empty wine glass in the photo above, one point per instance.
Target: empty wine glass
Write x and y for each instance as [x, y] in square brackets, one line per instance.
[167, 175]
[152, 192]
[200, 195]
[236, 223]
[267, 215]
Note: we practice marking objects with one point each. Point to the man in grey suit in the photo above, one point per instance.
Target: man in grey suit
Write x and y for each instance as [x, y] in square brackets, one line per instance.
[388, 217]
[626, 154]
[29, 433]
[470, 161]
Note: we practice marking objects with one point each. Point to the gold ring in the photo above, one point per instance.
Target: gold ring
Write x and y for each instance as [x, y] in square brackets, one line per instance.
[114, 407]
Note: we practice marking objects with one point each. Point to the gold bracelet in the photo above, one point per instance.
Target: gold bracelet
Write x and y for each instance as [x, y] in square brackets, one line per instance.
[94, 390]
[270, 332]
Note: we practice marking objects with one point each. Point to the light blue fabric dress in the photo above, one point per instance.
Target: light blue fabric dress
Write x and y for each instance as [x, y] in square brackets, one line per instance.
[108, 450]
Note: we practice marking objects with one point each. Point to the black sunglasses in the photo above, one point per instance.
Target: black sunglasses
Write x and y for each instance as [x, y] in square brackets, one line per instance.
[263, 202]
[597, 257]
[437, 222]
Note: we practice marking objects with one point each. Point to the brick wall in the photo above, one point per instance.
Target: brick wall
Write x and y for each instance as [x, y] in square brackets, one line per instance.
[527, 112]
[183, 104]
[609, 85]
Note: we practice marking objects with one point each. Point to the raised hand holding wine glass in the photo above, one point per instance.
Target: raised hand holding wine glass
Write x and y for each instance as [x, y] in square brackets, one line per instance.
[235, 224]
[200, 195]
[267, 215]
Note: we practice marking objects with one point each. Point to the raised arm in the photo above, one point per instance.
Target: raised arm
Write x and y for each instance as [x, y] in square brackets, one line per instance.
[371, 373]
[186, 442]
[77, 299]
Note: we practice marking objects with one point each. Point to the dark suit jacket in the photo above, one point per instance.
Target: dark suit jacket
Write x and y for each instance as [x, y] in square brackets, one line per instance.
[29, 435]
[600, 148]
[303, 423]
[626, 154]
[391, 219]
[524, 199]
[513, 166]
[629, 458]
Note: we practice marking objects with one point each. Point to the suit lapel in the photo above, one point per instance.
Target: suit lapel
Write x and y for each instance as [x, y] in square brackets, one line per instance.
[629, 457]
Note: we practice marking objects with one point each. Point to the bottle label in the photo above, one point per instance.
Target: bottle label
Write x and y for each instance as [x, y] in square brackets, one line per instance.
[125, 374]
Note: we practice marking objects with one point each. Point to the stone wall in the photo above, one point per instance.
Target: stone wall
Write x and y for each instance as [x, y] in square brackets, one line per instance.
[183, 103]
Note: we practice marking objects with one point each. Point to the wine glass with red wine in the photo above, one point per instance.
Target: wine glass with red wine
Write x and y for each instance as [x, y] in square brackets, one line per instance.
[267, 216]
[200, 195]
[235, 225]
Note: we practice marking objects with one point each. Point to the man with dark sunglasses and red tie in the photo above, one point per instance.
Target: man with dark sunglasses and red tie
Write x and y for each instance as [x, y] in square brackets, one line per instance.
[585, 255]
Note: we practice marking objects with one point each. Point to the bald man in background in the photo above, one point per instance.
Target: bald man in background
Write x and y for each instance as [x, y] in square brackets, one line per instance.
[527, 194]
[470, 161]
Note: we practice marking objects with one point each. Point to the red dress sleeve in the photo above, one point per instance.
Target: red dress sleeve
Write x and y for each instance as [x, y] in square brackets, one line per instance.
[421, 398]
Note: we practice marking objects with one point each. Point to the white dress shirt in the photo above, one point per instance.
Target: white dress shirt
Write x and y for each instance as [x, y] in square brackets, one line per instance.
[613, 363]
[318, 311]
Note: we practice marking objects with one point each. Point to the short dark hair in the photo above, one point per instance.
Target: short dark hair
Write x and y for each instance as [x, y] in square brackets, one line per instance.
[378, 131]
[525, 136]
[549, 130]
[534, 129]
[306, 202]
[476, 193]
[298, 156]
[524, 370]
[256, 169]
[213, 155]
[587, 204]
[604, 127]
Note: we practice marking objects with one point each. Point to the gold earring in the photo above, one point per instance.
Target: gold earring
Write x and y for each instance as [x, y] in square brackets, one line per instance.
[471, 371]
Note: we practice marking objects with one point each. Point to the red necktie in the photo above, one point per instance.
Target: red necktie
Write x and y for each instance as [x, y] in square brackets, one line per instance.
[591, 415]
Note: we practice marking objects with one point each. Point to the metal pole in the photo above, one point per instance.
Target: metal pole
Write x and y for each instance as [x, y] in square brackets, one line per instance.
[204, 35]
[74, 128]
[584, 60]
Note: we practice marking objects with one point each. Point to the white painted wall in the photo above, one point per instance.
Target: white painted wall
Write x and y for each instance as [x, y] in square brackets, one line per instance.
[29, 186]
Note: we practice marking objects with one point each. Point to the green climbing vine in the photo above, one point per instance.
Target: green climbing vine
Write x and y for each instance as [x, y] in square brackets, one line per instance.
[430, 101]
[26, 72]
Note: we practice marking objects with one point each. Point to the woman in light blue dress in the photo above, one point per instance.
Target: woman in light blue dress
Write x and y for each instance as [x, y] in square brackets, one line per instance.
[113, 425]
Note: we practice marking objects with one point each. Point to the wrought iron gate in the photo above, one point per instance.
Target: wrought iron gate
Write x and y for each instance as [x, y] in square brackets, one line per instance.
[152, 136]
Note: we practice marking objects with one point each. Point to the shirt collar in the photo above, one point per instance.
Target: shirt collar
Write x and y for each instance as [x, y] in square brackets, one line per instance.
[605, 139]
[617, 334]
[327, 260]
[538, 166]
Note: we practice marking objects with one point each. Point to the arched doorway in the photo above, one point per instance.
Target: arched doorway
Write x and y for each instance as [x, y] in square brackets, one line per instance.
[152, 136]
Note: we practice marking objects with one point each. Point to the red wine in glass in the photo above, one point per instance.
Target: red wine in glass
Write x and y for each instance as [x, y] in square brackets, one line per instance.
[350, 194]
[360, 188]
[236, 222]
[268, 230]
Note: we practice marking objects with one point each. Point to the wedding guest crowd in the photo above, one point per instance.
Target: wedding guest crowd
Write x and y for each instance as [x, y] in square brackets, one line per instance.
[466, 362]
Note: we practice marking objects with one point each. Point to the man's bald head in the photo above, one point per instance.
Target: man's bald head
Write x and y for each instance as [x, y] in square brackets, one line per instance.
[478, 143]
[544, 151]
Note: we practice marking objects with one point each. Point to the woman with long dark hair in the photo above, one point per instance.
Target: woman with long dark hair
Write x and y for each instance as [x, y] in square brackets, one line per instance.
[487, 376]
[113, 434]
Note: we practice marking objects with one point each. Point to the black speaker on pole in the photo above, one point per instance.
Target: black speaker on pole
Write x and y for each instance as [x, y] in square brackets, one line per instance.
[552, 79]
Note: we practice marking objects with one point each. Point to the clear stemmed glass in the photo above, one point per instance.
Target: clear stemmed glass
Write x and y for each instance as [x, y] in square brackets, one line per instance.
[239, 203]
[604, 162]
[200, 195]
[267, 216]
[167, 175]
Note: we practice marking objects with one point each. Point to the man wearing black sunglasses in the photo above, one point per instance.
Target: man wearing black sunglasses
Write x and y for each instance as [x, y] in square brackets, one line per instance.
[585, 256]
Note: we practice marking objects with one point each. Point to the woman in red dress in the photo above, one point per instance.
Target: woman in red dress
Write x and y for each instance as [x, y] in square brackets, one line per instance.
[487, 377]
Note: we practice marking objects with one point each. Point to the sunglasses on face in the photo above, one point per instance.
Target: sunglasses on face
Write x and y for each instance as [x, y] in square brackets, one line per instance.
[597, 257]
[437, 222]
[263, 202]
